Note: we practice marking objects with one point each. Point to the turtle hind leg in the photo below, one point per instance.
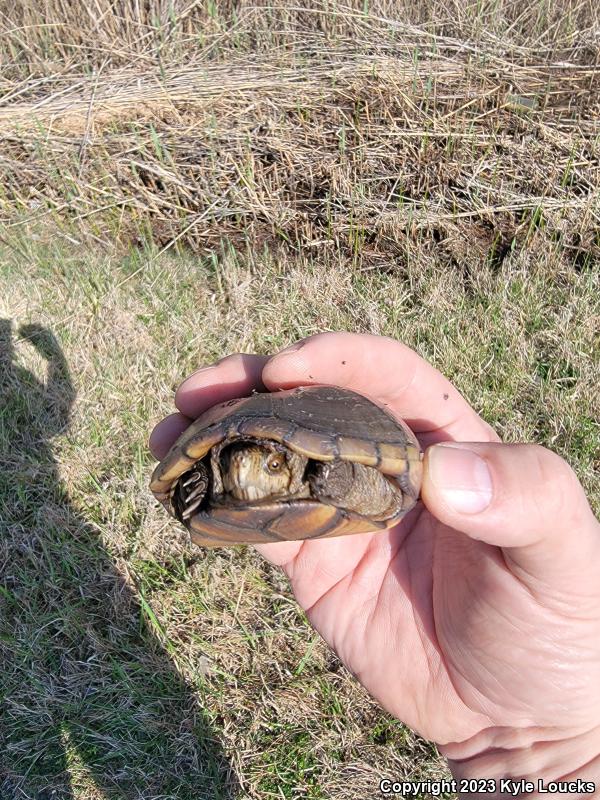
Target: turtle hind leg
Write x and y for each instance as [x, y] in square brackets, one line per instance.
[355, 487]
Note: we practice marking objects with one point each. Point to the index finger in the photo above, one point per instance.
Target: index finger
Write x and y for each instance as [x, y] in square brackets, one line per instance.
[390, 374]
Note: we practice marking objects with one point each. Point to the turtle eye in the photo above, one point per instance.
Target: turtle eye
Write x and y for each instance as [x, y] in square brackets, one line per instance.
[275, 463]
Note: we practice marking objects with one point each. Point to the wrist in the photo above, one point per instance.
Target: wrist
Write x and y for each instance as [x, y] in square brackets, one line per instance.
[532, 767]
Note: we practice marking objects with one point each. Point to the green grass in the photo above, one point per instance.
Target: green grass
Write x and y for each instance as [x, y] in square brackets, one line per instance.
[131, 659]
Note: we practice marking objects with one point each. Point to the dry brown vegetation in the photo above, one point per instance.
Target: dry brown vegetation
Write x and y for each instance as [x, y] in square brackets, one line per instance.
[179, 180]
[323, 128]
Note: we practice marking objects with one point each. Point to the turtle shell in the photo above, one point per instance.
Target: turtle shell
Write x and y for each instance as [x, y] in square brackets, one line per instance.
[319, 422]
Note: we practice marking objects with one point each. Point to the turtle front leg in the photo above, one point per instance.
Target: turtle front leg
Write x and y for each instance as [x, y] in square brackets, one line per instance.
[355, 487]
[189, 491]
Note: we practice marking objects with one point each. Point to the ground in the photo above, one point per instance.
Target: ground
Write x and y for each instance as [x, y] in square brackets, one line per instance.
[180, 181]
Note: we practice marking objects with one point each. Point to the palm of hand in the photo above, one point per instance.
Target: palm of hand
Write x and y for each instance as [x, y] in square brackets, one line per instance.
[430, 622]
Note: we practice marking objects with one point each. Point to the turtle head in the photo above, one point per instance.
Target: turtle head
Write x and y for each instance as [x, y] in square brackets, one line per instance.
[253, 471]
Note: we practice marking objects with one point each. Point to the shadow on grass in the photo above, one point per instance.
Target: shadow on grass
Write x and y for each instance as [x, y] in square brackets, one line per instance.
[87, 694]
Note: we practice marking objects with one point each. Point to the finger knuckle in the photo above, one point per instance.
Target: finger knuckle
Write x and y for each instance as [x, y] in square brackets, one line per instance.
[556, 483]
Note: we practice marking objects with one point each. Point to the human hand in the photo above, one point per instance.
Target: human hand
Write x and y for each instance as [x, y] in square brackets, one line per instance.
[476, 619]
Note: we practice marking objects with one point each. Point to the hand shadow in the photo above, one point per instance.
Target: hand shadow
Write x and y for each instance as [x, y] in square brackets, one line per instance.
[87, 695]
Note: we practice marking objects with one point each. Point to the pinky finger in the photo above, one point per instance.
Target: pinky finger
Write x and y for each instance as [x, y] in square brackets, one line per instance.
[166, 433]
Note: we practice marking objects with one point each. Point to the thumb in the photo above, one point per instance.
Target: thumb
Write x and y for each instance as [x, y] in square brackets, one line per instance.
[520, 497]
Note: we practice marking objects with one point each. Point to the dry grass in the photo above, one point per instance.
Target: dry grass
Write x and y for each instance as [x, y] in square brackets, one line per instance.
[183, 180]
[327, 128]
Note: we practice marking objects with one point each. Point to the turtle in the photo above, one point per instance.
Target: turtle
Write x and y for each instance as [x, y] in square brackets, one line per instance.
[294, 464]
